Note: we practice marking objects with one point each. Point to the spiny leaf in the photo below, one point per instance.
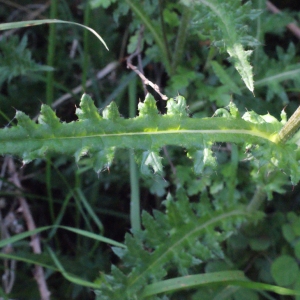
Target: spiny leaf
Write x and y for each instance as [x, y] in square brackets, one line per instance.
[80, 153]
[32, 155]
[48, 117]
[98, 137]
[201, 158]
[177, 107]
[103, 159]
[233, 110]
[240, 61]
[226, 15]
[152, 160]
[88, 110]
[111, 112]
[267, 120]
[25, 122]
[148, 107]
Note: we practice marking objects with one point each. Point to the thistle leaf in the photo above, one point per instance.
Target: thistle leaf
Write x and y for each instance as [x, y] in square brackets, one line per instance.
[226, 15]
[148, 107]
[111, 112]
[103, 159]
[240, 61]
[26, 123]
[146, 134]
[151, 160]
[177, 107]
[87, 110]
[202, 158]
[48, 117]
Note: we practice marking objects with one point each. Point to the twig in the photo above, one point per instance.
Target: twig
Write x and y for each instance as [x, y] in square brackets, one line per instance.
[9, 223]
[146, 81]
[139, 70]
[35, 241]
[74, 47]
[291, 26]
[2, 173]
[137, 53]
[8, 276]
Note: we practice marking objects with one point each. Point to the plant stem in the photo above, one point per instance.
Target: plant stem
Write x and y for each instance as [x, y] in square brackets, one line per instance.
[257, 200]
[87, 14]
[135, 218]
[51, 53]
[181, 38]
[232, 180]
[49, 97]
[138, 10]
[163, 29]
[259, 34]
[290, 128]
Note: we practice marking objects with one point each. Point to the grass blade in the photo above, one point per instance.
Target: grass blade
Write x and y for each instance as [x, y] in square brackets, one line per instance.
[88, 234]
[31, 259]
[90, 210]
[14, 25]
[192, 281]
[70, 277]
[232, 278]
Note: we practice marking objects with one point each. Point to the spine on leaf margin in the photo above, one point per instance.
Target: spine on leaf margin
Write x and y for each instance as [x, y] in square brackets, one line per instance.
[98, 136]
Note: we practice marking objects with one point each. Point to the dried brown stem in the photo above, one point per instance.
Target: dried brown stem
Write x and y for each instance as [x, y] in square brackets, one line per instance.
[35, 241]
[291, 26]
[139, 70]
[146, 81]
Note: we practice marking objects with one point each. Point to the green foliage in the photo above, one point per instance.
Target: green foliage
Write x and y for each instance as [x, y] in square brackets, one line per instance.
[228, 16]
[15, 60]
[207, 167]
[285, 270]
[281, 71]
[186, 236]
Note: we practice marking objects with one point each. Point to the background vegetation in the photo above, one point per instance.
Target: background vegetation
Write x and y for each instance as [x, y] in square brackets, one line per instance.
[184, 50]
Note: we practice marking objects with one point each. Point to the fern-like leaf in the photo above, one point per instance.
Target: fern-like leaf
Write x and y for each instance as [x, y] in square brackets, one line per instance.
[183, 237]
[278, 74]
[15, 59]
